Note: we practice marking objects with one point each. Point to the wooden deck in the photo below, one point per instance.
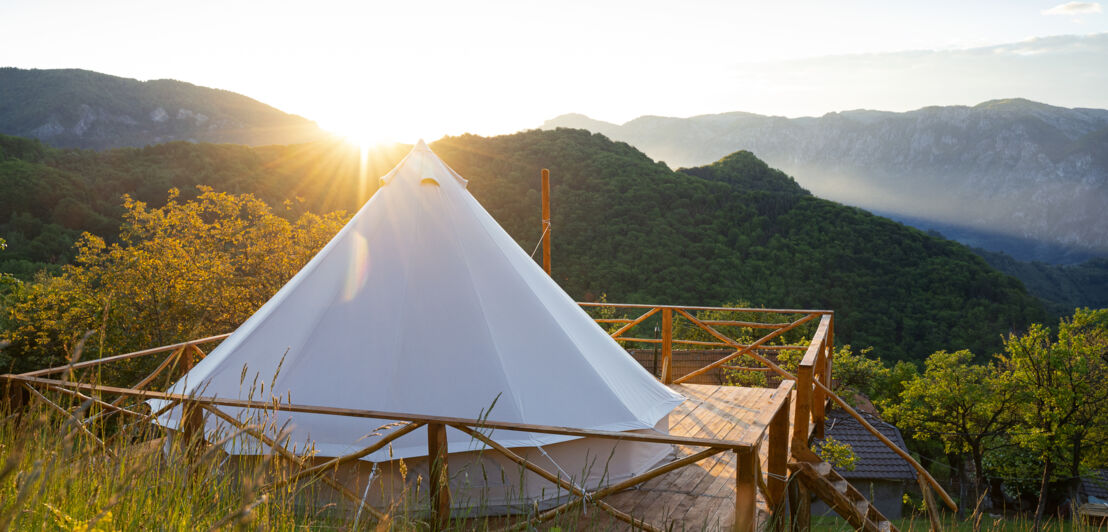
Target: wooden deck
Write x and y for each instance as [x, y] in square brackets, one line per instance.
[700, 496]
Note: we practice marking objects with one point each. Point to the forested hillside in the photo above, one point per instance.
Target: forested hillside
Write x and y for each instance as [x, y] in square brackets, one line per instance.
[49, 196]
[1062, 287]
[624, 226]
[1017, 176]
[738, 230]
[83, 109]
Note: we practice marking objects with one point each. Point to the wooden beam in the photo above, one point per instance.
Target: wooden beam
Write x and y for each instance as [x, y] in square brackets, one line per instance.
[392, 416]
[746, 491]
[903, 454]
[72, 418]
[800, 505]
[568, 486]
[192, 414]
[696, 308]
[803, 408]
[631, 324]
[819, 397]
[746, 324]
[293, 459]
[778, 459]
[667, 345]
[338, 460]
[933, 514]
[439, 476]
[105, 360]
[546, 220]
[748, 350]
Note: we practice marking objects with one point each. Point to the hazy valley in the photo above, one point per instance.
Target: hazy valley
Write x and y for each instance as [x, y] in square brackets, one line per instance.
[1016, 176]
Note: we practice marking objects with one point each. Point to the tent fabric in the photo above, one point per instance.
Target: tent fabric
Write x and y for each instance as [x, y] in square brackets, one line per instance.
[423, 304]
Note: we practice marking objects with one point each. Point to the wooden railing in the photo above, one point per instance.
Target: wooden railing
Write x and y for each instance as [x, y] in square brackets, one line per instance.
[638, 315]
[771, 425]
[813, 373]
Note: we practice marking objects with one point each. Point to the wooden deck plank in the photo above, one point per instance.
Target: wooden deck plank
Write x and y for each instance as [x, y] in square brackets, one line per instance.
[702, 495]
[720, 482]
[728, 408]
[703, 422]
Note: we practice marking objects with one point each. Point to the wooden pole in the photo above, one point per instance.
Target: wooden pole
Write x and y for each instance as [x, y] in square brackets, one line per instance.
[746, 490]
[800, 506]
[819, 397]
[440, 487]
[546, 220]
[667, 345]
[933, 514]
[12, 399]
[192, 414]
[778, 460]
[803, 408]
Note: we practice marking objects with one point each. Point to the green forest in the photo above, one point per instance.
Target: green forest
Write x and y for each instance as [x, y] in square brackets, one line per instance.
[623, 226]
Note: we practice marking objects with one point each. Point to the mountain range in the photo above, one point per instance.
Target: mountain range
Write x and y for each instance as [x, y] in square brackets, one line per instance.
[47, 196]
[1017, 176]
[83, 109]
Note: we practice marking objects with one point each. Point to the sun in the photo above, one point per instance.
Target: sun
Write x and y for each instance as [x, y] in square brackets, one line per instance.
[374, 127]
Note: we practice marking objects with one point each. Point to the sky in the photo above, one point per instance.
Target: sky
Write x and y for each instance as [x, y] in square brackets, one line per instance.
[399, 71]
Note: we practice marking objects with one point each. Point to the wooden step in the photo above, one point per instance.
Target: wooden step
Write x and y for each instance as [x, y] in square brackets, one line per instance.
[862, 508]
[841, 486]
[823, 469]
[884, 526]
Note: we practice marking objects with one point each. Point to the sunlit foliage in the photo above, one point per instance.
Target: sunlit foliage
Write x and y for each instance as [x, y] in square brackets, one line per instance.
[181, 271]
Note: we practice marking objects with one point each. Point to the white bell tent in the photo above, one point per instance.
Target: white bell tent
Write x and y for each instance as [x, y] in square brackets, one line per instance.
[423, 304]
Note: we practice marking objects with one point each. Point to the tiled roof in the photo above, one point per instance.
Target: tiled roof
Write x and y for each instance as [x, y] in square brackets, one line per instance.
[1096, 484]
[875, 460]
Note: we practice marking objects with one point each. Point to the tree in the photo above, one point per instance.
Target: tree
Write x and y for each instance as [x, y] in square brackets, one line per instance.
[966, 406]
[182, 271]
[1061, 388]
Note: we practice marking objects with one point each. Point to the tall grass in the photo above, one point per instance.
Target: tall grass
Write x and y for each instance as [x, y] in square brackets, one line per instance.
[127, 475]
[55, 474]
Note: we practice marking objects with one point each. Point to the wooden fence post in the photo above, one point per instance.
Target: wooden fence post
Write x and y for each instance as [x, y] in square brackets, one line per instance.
[667, 345]
[803, 406]
[746, 490]
[778, 461]
[192, 414]
[546, 220]
[439, 481]
[819, 397]
[800, 506]
[13, 397]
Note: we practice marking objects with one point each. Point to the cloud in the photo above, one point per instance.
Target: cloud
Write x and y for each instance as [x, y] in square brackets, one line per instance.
[906, 80]
[1073, 8]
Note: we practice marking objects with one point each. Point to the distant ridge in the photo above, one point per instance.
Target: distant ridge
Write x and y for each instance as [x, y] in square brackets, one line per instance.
[1011, 175]
[73, 108]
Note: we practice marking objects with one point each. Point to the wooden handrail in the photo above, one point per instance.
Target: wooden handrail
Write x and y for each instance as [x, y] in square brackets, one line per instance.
[896, 448]
[391, 416]
[105, 360]
[688, 307]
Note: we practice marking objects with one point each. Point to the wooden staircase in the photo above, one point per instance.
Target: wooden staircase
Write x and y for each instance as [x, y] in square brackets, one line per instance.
[820, 478]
